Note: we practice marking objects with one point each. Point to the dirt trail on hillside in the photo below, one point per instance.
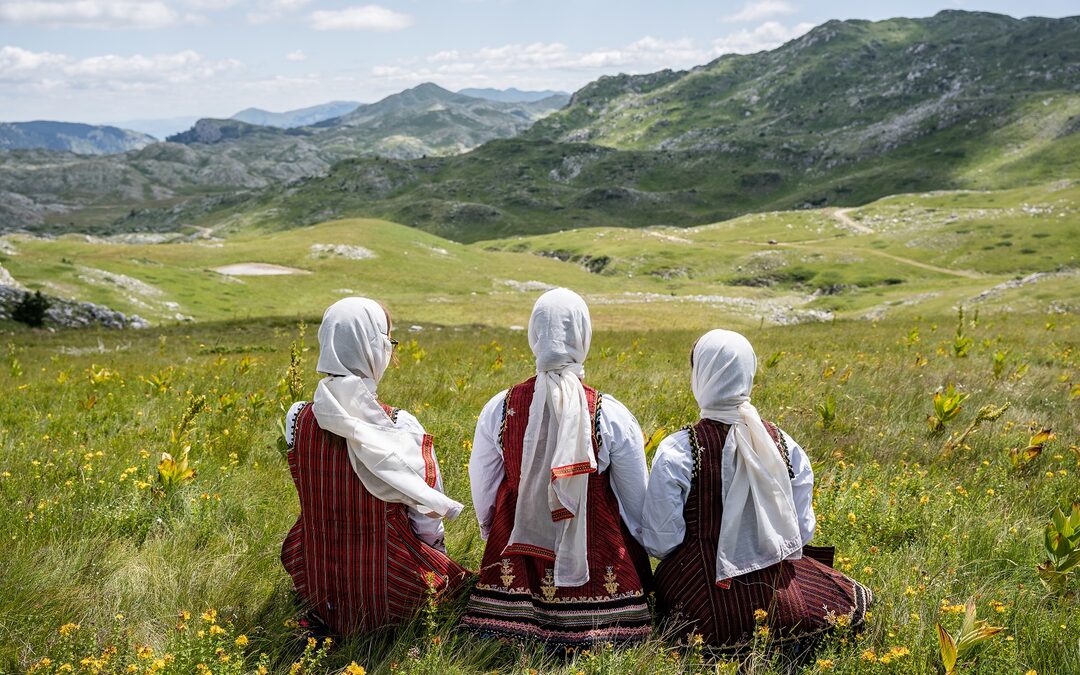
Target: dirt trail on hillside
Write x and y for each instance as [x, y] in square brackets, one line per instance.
[848, 221]
[966, 274]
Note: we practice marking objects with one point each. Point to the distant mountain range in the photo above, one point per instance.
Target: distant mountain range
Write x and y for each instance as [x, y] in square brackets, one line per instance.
[301, 117]
[424, 120]
[215, 160]
[158, 128]
[512, 95]
[849, 112]
[83, 139]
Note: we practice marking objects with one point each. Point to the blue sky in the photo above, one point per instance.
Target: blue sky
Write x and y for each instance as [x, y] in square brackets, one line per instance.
[113, 60]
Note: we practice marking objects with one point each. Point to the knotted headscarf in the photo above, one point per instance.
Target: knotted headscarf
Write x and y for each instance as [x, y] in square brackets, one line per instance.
[759, 526]
[354, 351]
[557, 454]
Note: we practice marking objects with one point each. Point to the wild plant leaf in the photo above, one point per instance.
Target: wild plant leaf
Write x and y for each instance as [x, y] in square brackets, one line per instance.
[948, 650]
[654, 440]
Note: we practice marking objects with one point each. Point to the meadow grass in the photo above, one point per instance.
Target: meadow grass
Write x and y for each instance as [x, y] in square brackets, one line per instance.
[914, 254]
[90, 535]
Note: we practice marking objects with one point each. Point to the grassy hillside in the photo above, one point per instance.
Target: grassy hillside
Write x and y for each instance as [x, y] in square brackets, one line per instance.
[844, 90]
[905, 255]
[850, 112]
[93, 538]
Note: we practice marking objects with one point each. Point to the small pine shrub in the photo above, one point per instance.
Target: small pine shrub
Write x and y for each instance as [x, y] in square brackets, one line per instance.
[31, 309]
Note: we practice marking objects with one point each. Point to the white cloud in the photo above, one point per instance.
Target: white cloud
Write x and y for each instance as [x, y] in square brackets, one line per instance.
[108, 71]
[766, 36]
[367, 17]
[18, 64]
[91, 13]
[298, 55]
[555, 64]
[753, 11]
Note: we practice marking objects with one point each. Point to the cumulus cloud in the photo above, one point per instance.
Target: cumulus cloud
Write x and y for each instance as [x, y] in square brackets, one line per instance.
[108, 71]
[556, 64]
[766, 36]
[754, 11]
[91, 13]
[367, 17]
[298, 55]
[18, 64]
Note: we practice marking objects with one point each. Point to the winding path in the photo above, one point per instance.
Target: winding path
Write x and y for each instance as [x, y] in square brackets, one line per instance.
[848, 221]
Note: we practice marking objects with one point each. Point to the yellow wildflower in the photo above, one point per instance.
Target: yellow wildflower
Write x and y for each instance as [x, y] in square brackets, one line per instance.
[951, 609]
[869, 656]
[216, 630]
[760, 615]
[354, 669]
[242, 641]
[144, 651]
[68, 628]
[824, 664]
[209, 616]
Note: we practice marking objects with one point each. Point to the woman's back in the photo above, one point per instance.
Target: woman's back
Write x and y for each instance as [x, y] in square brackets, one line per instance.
[801, 597]
[354, 559]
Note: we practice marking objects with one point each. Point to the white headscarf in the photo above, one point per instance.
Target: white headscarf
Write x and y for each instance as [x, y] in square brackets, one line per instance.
[557, 453]
[759, 526]
[354, 350]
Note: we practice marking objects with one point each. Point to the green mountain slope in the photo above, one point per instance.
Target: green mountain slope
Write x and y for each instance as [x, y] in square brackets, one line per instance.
[848, 113]
[217, 161]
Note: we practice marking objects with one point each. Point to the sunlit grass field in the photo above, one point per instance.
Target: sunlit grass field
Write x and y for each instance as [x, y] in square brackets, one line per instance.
[106, 568]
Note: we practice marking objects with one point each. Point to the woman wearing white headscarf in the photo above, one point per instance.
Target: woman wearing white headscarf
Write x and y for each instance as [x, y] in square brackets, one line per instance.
[729, 511]
[367, 548]
[558, 476]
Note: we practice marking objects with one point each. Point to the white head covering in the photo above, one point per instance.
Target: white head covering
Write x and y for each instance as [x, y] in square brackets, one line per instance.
[354, 350]
[759, 526]
[557, 453]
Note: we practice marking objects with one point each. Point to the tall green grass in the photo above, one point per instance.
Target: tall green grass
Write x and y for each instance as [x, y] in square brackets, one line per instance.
[87, 535]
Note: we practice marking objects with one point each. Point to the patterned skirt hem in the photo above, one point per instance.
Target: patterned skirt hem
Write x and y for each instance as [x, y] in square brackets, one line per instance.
[622, 635]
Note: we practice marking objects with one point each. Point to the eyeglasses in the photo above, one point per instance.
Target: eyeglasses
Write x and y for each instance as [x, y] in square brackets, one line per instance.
[393, 342]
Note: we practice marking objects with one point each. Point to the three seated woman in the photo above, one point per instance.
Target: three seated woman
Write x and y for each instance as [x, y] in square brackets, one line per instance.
[564, 501]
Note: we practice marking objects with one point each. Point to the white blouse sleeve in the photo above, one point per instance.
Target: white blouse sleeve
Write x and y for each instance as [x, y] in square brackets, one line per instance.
[428, 529]
[622, 454]
[486, 472]
[802, 488]
[663, 526]
[290, 422]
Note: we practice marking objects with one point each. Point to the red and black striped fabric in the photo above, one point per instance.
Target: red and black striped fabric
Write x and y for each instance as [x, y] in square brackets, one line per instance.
[516, 595]
[354, 559]
[802, 597]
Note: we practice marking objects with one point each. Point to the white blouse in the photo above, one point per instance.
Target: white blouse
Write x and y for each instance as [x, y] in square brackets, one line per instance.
[428, 529]
[622, 450]
[663, 527]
